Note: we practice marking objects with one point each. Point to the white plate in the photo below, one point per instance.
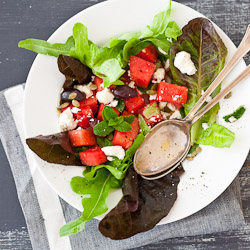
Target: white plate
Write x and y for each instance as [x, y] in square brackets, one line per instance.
[206, 177]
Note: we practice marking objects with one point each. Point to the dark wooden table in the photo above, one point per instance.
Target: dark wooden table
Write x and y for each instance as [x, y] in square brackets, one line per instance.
[22, 19]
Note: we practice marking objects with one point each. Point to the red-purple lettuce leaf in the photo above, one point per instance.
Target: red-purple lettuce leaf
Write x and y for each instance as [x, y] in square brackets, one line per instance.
[143, 205]
[54, 149]
[73, 69]
[208, 52]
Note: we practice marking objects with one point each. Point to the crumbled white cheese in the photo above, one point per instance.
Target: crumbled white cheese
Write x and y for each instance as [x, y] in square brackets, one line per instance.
[162, 51]
[66, 120]
[208, 99]
[165, 115]
[116, 151]
[129, 75]
[162, 105]
[75, 110]
[205, 126]
[105, 96]
[132, 84]
[176, 115]
[113, 103]
[110, 158]
[152, 97]
[171, 106]
[85, 89]
[153, 119]
[159, 75]
[184, 63]
[232, 119]
[167, 65]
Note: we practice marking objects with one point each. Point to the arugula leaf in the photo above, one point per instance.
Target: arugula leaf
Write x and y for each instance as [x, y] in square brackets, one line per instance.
[121, 105]
[103, 142]
[173, 30]
[237, 114]
[46, 48]
[217, 136]
[108, 113]
[102, 129]
[95, 192]
[136, 144]
[143, 125]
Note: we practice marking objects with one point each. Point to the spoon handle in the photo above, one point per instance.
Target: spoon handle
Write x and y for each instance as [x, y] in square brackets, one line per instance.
[223, 93]
[243, 48]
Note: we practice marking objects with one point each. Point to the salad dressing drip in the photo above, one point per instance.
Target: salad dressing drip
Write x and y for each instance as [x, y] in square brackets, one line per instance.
[161, 149]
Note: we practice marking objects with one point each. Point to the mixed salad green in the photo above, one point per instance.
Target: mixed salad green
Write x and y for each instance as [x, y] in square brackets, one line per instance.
[99, 125]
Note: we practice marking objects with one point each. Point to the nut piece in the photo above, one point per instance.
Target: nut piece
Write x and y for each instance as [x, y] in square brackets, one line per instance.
[75, 103]
[228, 95]
[151, 92]
[92, 86]
[64, 105]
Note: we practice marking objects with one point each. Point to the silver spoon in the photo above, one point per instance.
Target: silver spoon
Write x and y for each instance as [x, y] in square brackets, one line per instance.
[169, 142]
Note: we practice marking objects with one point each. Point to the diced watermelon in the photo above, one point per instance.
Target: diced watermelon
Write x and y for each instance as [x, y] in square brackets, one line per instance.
[134, 104]
[141, 71]
[83, 116]
[93, 156]
[92, 102]
[99, 116]
[151, 114]
[149, 54]
[82, 137]
[173, 93]
[99, 83]
[125, 139]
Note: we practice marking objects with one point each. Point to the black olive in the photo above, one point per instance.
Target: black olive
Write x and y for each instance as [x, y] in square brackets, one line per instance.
[68, 95]
[124, 91]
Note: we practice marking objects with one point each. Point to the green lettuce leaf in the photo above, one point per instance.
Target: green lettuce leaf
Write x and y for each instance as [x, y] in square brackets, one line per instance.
[173, 30]
[208, 52]
[217, 136]
[143, 125]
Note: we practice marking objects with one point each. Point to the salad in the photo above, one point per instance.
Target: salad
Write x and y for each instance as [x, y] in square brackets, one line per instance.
[112, 97]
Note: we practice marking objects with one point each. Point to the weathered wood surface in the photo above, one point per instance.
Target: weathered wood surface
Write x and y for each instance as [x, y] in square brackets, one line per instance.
[21, 19]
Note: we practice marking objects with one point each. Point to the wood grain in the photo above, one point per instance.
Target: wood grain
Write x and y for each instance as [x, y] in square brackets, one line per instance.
[31, 18]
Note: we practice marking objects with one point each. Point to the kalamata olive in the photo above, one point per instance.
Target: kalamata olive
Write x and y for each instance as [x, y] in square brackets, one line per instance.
[124, 91]
[92, 122]
[72, 94]
[145, 97]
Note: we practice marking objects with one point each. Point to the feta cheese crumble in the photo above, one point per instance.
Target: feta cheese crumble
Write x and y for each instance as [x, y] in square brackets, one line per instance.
[85, 89]
[171, 106]
[159, 75]
[116, 151]
[132, 84]
[152, 97]
[205, 126]
[162, 105]
[176, 115]
[208, 99]
[105, 96]
[165, 115]
[232, 119]
[167, 65]
[75, 110]
[184, 63]
[113, 103]
[66, 120]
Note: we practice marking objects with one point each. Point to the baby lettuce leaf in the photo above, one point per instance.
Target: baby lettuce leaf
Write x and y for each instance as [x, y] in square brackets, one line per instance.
[208, 52]
[95, 191]
[217, 136]
[143, 205]
[46, 48]
[143, 125]
[54, 149]
[73, 69]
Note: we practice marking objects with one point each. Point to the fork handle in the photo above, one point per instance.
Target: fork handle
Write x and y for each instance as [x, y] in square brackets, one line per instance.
[243, 48]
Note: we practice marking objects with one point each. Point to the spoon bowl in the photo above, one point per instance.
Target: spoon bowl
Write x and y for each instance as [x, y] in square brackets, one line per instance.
[169, 142]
